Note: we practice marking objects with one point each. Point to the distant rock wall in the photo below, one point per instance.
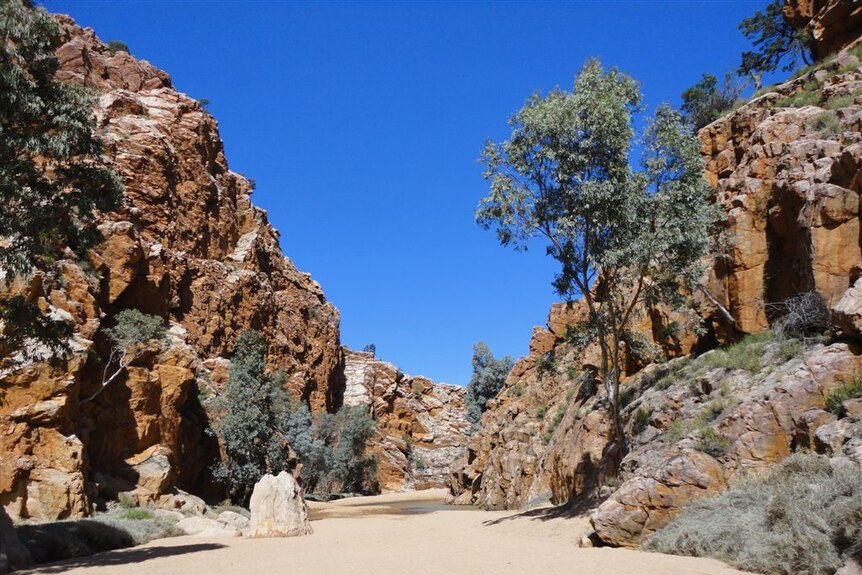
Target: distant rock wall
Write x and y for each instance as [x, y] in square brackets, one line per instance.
[422, 426]
[189, 246]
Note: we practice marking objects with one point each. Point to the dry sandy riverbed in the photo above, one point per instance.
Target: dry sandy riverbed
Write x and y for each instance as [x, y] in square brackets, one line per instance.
[397, 533]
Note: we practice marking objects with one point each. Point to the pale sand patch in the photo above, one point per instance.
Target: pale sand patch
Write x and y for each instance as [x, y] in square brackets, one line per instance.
[380, 535]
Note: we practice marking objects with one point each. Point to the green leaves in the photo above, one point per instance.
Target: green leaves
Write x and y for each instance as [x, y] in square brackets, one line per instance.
[775, 41]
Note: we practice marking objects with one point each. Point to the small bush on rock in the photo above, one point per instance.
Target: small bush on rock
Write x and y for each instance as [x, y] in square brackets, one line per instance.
[836, 398]
[800, 518]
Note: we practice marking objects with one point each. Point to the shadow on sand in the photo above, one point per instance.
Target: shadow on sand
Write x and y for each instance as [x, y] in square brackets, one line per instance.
[123, 557]
[576, 508]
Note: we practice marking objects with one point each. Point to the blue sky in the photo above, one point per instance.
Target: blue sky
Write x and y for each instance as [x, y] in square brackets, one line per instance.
[362, 122]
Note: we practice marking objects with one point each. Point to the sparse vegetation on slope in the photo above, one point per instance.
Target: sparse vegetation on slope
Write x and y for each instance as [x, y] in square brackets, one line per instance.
[800, 518]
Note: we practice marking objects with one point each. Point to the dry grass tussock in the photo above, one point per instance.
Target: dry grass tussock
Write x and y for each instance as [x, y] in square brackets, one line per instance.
[115, 529]
[803, 517]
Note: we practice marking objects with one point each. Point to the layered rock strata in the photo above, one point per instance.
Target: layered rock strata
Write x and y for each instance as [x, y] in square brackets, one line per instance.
[422, 426]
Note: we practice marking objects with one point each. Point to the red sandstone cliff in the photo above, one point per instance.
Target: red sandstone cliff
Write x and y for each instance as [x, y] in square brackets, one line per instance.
[188, 246]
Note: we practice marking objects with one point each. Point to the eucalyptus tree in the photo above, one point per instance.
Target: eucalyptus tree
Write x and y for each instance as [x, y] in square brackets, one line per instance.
[489, 375]
[775, 41]
[625, 238]
[53, 181]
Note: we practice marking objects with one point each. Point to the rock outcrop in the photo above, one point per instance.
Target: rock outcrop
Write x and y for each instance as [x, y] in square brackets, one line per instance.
[422, 426]
[278, 508]
[833, 24]
[188, 246]
[787, 169]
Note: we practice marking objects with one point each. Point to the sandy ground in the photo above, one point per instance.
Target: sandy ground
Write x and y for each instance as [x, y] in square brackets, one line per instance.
[385, 534]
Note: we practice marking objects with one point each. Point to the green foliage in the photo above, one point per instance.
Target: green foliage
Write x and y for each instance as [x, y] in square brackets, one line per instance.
[204, 103]
[809, 95]
[642, 417]
[627, 395]
[712, 443]
[623, 238]
[705, 102]
[115, 46]
[546, 364]
[800, 518]
[137, 514]
[489, 375]
[682, 428]
[370, 348]
[836, 398]
[332, 450]
[29, 324]
[775, 41]
[249, 424]
[746, 354]
[840, 102]
[541, 411]
[517, 390]
[132, 327]
[828, 125]
[52, 177]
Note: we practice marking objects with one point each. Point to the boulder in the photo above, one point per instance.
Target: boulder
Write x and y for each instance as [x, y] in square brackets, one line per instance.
[204, 527]
[847, 313]
[278, 508]
[233, 520]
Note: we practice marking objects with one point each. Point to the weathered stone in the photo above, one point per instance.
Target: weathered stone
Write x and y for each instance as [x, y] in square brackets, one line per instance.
[233, 520]
[422, 426]
[847, 313]
[278, 508]
[188, 246]
[203, 527]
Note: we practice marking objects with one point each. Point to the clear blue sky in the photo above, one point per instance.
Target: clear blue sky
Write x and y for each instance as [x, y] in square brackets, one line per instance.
[362, 123]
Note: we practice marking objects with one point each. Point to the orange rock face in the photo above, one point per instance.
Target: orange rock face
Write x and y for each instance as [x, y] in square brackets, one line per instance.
[833, 24]
[189, 246]
[790, 189]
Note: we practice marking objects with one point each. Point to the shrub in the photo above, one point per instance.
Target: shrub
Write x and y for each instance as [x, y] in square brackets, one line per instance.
[115, 46]
[836, 398]
[712, 443]
[828, 125]
[641, 418]
[808, 96]
[627, 395]
[799, 518]
[746, 354]
[705, 102]
[546, 364]
[517, 390]
[540, 411]
[250, 416]
[682, 428]
[136, 514]
[489, 376]
[803, 314]
[332, 450]
[840, 102]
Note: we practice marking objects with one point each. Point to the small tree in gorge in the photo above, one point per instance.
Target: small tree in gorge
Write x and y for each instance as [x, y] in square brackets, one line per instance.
[489, 375]
[131, 333]
[775, 41]
[623, 238]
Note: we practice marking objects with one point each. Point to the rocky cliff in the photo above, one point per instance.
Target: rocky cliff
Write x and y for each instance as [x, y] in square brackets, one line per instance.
[787, 168]
[188, 246]
[422, 426]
